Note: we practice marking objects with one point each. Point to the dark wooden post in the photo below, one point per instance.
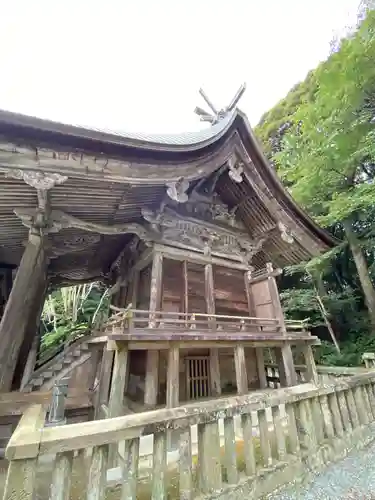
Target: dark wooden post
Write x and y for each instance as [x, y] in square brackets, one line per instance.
[210, 308]
[284, 359]
[152, 362]
[102, 392]
[19, 307]
[261, 369]
[31, 343]
[30, 362]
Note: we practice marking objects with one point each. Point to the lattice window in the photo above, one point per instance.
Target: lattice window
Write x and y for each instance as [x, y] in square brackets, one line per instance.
[198, 377]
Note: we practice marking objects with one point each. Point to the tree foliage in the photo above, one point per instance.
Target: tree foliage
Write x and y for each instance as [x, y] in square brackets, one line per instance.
[72, 311]
[320, 138]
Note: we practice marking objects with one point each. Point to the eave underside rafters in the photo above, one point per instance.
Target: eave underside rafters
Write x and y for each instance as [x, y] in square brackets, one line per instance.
[111, 192]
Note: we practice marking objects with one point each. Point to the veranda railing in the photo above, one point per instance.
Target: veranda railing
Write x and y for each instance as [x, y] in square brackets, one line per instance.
[322, 424]
[133, 319]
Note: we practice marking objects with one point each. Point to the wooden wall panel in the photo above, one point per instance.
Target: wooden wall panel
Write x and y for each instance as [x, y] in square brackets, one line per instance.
[262, 299]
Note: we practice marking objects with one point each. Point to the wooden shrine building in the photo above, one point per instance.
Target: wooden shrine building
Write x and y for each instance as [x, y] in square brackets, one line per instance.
[189, 231]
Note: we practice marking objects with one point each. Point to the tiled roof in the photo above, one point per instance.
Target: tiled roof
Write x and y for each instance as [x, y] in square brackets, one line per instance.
[196, 138]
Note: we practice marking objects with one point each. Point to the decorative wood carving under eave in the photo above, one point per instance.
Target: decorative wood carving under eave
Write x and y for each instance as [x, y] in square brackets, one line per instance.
[235, 169]
[59, 220]
[43, 181]
[203, 236]
[101, 167]
[72, 245]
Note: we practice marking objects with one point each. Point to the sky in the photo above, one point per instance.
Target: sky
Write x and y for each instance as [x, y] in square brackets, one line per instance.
[137, 65]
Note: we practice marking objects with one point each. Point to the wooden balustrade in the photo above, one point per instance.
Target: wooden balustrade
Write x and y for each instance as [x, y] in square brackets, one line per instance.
[326, 374]
[321, 425]
[136, 319]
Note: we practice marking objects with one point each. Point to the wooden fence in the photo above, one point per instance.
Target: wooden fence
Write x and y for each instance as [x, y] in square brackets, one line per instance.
[322, 424]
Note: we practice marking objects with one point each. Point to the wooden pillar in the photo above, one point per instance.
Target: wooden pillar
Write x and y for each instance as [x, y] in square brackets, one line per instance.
[185, 291]
[249, 295]
[210, 308]
[284, 359]
[241, 372]
[95, 360]
[173, 377]
[30, 362]
[275, 297]
[102, 393]
[152, 363]
[31, 342]
[19, 307]
[311, 372]
[119, 375]
[261, 369]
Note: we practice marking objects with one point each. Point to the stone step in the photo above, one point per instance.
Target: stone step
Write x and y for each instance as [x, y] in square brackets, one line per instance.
[56, 367]
[38, 381]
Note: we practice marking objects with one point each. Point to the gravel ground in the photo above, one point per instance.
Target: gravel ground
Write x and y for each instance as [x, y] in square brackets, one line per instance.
[352, 478]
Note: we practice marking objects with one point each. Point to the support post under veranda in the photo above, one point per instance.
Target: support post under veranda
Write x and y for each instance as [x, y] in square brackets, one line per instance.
[152, 360]
[284, 355]
[210, 309]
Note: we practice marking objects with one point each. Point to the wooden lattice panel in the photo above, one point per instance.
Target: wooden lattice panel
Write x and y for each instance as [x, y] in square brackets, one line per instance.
[198, 377]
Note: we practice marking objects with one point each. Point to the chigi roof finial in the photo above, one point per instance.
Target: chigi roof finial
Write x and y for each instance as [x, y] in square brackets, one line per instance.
[216, 116]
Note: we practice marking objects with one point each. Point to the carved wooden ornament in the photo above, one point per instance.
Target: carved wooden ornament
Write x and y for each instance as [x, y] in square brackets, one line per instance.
[203, 236]
[177, 190]
[285, 233]
[235, 170]
[38, 180]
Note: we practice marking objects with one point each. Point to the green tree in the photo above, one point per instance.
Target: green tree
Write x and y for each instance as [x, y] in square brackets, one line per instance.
[328, 153]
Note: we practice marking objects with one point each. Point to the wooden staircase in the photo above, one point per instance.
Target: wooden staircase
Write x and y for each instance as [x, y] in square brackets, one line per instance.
[60, 365]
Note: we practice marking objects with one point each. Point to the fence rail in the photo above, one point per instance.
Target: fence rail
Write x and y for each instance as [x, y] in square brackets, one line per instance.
[322, 424]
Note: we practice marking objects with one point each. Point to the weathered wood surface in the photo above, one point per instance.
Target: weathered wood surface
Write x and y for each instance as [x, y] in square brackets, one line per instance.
[19, 308]
[15, 403]
[159, 339]
[300, 441]
[152, 362]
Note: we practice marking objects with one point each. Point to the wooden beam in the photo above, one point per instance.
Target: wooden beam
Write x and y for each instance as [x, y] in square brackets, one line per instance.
[175, 253]
[106, 168]
[58, 220]
[152, 363]
[19, 307]
[210, 308]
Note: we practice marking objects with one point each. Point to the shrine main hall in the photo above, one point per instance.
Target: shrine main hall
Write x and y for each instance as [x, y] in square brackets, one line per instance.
[189, 232]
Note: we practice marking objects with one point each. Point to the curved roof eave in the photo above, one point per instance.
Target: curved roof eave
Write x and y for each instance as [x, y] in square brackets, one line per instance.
[185, 141]
[278, 188]
[195, 141]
